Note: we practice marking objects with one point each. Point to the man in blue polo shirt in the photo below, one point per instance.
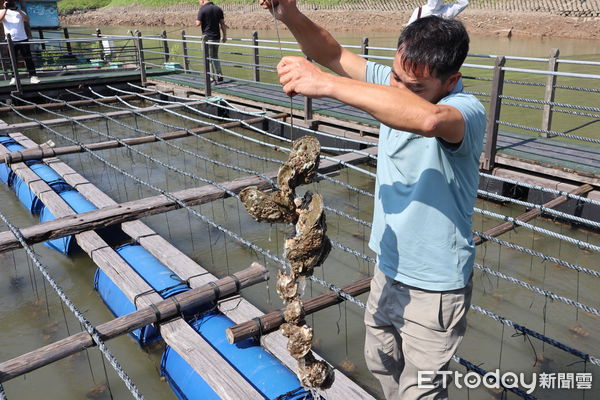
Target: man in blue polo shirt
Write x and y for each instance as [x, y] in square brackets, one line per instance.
[430, 139]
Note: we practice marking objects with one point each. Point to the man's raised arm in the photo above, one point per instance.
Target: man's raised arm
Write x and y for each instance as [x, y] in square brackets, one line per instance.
[316, 42]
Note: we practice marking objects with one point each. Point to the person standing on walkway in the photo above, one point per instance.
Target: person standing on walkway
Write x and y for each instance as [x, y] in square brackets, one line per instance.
[212, 21]
[13, 20]
[437, 7]
[430, 140]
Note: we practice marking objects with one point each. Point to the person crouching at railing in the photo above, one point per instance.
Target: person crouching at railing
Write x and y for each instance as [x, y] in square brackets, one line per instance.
[13, 19]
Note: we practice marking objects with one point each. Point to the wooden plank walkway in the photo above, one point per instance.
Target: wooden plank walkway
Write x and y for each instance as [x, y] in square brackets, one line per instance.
[179, 334]
[549, 152]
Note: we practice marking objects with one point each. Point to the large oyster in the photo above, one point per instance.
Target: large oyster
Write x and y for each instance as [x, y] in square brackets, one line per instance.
[304, 159]
[287, 286]
[314, 373]
[268, 207]
[299, 339]
[310, 246]
[294, 312]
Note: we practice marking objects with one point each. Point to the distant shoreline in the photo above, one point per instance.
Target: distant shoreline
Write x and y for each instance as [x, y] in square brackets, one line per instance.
[478, 22]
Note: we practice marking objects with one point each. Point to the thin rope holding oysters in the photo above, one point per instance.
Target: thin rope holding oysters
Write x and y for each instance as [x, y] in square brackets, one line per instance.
[270, 2]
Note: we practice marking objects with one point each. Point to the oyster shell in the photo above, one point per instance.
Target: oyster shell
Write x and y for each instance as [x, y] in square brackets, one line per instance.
[267, 207]
[304, 159]
[310, 246]
[294, 312]
[287, 287]
[299, 339]
[314, 373]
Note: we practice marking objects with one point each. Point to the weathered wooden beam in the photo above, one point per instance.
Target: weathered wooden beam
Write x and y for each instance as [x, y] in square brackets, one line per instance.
[52, 106]
[271, 322]
[88, 117]
[173, 307]
[531, 214]
[136, 209]
[46, 152]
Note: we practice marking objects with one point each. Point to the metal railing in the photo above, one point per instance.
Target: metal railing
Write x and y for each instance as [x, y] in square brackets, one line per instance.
[528, 95]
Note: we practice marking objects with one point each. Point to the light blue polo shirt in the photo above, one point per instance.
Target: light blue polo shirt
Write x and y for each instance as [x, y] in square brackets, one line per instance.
[424, 197]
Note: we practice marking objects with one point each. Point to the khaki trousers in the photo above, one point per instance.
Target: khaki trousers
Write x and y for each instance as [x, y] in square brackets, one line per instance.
[410, 330]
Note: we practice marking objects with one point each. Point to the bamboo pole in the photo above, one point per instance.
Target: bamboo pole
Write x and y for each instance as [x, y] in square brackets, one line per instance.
[173, 307]
[45, 152]
[271, 322]
[136, 209]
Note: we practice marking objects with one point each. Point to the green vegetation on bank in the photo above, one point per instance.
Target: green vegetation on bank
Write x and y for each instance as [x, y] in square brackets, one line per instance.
[70, 6]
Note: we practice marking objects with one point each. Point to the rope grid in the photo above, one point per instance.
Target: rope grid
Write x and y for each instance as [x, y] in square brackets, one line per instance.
[540, 207]
[538, 254]
[579, 243]
[537, 335]
[169, 195]
[229, 148]
[80, 317]
[251, 172]
[543, 292]
[540, 188]
[347, 165]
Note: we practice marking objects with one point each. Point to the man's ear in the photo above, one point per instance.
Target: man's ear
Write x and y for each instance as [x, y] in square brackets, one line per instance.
[452, 81]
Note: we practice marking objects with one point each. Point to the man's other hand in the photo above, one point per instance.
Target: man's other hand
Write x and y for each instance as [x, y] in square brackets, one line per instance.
[297, 75]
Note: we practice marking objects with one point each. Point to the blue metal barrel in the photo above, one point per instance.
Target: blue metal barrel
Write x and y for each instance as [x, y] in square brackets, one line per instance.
[159, 277]
[265, 372]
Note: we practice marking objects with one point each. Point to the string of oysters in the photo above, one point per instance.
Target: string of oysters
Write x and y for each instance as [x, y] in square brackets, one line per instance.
[305, 250]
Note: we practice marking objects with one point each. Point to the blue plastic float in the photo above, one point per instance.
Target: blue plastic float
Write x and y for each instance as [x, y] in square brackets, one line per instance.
[265, 372]
[159, 277]
[79, 204]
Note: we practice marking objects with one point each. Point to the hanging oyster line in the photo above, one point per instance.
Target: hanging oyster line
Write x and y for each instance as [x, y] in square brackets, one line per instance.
[304, 251]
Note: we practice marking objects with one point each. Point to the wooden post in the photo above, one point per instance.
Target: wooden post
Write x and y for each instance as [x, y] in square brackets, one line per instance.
[41, 35]
[13, 62]
[256, 56]
[182, 304]
[163, 35]
[271, 322]
[207, 87]
[308, 108]
[66, 34]
[5, 67]
[140, 51]
[186, 61]
[100, 47]
[550, 91]
[494, 114]
[365, 46]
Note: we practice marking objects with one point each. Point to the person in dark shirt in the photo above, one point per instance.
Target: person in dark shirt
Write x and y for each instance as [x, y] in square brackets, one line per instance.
[212, 21]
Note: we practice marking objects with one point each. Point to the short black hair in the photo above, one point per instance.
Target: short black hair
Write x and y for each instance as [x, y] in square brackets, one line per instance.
[434, 44]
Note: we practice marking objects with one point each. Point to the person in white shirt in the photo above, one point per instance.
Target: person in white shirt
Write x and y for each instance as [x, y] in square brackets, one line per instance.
[13, 19]
[437, 7]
